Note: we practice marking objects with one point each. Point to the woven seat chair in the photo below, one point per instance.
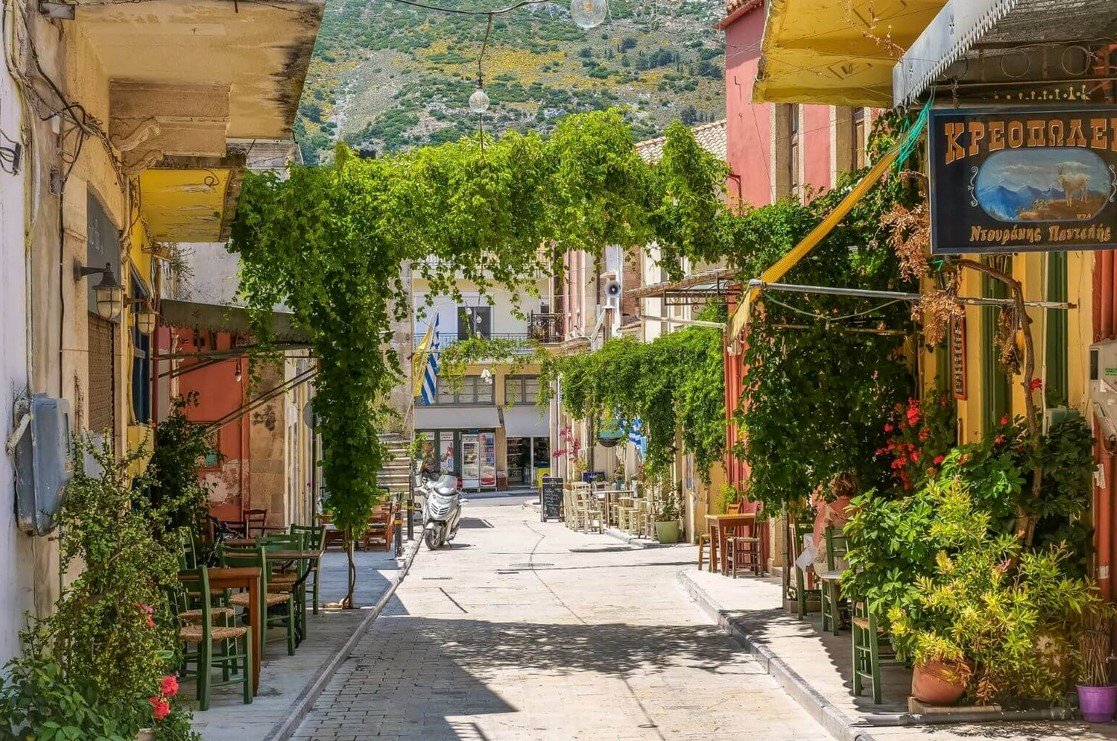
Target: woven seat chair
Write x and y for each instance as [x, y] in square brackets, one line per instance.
[226, 647]
[314, 538]
[268, 600]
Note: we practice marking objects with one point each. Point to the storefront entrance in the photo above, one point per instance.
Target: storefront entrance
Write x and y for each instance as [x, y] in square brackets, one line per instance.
[526, 455]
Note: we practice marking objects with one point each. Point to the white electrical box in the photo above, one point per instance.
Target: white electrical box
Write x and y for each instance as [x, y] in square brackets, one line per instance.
[1103, 386]
[43, 462]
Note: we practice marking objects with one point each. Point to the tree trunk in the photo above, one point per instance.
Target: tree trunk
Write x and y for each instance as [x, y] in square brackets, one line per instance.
[347, 603]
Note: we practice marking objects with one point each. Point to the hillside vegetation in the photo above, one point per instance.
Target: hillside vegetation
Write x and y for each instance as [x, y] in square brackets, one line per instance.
[387, 76]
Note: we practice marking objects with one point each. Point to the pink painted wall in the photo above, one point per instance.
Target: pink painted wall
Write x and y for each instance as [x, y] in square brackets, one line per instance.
[748, 127]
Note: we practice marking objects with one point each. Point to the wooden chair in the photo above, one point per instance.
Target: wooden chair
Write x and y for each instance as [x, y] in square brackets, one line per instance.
[871, 648]
[742, 549]
[381, 527]
[314, 538]
[268, 598]
[222, 646]
[255, 522]
[836, 547]
[804, 587]
[333, 535]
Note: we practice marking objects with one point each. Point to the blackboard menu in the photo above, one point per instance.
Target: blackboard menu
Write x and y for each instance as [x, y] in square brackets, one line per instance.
[552, 498]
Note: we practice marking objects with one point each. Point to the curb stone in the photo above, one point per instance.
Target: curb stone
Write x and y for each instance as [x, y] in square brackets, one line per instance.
[286, 726]
[829, 716]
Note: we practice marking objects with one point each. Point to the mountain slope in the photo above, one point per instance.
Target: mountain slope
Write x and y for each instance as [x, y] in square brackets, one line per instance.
[387, 76]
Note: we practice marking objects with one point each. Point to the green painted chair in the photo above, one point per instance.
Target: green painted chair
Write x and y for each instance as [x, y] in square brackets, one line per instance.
[277, 609]
[799, 592]
[314, 538]
[284, 575]
[224, 647]
[836, 548]
[871, 650]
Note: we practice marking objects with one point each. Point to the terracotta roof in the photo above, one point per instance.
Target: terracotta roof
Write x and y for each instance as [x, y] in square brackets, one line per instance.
[734, 9]
[711, 137]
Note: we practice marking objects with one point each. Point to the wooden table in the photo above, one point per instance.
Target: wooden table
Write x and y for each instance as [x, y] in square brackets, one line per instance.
[720, 525]
[245, 577]
[239, 542]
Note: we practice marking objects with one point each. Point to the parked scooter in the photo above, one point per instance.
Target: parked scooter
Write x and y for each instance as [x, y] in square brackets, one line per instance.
[442, 511]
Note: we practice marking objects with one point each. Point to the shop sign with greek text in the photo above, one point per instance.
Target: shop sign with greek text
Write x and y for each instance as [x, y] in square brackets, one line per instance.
[1023, 179]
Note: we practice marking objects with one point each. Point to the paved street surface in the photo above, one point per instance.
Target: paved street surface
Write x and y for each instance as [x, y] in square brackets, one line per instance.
[525, 630]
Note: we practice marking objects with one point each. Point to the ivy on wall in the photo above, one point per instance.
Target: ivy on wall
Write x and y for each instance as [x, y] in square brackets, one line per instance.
[674, 384]
[823, 372]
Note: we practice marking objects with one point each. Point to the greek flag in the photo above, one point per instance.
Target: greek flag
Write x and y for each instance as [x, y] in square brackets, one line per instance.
[430, 373]
[636, 436]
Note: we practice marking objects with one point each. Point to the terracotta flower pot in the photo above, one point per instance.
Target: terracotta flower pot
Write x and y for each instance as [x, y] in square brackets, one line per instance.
[938, 683]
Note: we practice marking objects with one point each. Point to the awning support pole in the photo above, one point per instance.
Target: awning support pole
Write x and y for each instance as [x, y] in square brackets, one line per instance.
[759, 285]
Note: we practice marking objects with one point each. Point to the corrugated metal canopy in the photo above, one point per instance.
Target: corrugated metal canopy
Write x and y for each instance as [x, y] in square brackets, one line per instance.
[837, 52]
[220, 318]
[1002, 42]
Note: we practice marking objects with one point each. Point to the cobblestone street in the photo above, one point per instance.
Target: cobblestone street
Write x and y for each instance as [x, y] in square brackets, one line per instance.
[526, 630]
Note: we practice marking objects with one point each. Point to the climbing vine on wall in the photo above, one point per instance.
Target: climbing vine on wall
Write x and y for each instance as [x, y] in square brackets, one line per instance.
[823, 372]
[328, 242]
[675, 385]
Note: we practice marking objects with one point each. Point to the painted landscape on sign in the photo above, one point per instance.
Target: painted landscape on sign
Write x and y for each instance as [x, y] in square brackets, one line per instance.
[1059, 184]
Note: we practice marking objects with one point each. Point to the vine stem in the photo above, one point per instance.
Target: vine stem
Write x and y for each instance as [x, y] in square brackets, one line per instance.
[1024, 531]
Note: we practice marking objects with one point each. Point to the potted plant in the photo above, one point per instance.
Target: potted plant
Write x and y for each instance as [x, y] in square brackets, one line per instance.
[667, 519]
[1097, 696]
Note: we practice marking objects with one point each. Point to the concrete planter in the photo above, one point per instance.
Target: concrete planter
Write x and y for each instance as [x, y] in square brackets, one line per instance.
[667, 532]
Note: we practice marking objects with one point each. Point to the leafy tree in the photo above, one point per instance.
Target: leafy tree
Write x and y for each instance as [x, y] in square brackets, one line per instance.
[328, 242]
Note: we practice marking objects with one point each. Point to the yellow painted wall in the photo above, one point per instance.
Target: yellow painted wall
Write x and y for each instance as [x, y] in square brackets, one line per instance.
[1031, 271]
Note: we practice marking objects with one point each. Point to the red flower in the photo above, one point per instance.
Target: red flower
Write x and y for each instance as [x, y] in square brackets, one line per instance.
[160, 708]
[169, 686]
[923, 434]
[888, 427]
[999, 440]
[1035, 384]
[915, 457]
[913, 417]
[938, 460]
[1004, 420]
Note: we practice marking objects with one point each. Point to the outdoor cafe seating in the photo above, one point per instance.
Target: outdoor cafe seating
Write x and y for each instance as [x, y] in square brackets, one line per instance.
[232, 590]
[593, 507]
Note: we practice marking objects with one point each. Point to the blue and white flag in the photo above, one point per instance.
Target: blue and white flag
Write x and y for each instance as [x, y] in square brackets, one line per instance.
[636, 436]
[430, 373]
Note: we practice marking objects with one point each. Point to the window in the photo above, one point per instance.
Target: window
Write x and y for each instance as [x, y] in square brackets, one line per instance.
[475, 321]
[141, 366]
[793, 148]
[857, 133]
[521, 390]
[473, 390]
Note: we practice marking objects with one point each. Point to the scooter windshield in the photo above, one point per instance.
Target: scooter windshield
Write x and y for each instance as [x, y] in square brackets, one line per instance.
[446, 485]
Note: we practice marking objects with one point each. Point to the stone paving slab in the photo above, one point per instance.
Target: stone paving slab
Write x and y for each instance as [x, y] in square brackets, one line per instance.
[283, 678]
[815, 668]
[526, 630]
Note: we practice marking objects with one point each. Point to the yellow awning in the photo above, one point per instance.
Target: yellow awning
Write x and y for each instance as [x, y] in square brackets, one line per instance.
[837, 52]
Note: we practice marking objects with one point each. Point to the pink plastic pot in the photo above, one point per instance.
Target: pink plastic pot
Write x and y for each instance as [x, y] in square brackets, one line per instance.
[1097, 704]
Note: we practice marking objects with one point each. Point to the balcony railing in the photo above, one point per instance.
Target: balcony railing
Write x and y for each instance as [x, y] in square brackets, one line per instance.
[446, 339]
[545, 328]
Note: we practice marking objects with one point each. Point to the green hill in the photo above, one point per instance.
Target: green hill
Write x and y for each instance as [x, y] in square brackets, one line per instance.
[387, 76]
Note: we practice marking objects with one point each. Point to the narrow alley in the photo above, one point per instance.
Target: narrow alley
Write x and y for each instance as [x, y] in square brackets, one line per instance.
[525, 629]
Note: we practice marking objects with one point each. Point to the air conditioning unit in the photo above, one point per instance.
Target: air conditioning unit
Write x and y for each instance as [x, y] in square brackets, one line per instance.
[1103, 388]
[41, 445]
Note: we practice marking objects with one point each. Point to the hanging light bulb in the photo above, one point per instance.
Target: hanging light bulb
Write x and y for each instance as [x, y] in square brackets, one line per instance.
[237, 375]
[479, 101]
[588, 14]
